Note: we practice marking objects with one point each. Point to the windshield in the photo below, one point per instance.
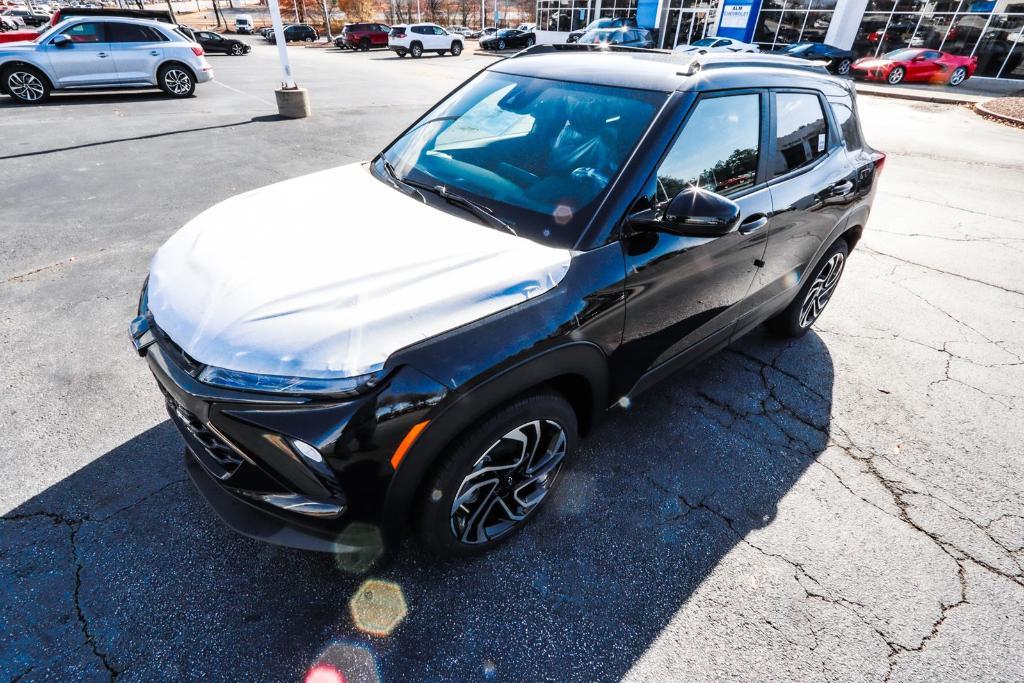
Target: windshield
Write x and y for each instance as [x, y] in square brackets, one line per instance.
[705, 42]
[797, 49]
[539, 153]
[902, 55]
[504, 33]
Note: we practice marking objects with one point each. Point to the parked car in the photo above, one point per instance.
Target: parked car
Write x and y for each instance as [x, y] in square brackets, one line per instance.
[839, 60]
[527, 27]
[364, 36]
[264, 31]
[73, 55]
[461, 30]
[28, 17]
[11, 31]
[296, 33]
[623, 37]
[915, 65]
[485, 33]
[557, 239]
[606, 22]
[215, 42]
[243, 24]
[416, 39]
[714, 44]
[509, 38]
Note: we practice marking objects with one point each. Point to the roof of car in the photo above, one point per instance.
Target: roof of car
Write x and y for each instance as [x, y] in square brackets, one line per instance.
[667, 72]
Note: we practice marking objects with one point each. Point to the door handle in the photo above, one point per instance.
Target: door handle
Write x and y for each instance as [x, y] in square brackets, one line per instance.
[843, 188]
[753, 223]
[154, 53]
[101, 55]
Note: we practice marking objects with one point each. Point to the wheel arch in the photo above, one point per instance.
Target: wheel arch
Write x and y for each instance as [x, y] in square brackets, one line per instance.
[169, 61]
[578, 371]
[852, 235]
[23, 63]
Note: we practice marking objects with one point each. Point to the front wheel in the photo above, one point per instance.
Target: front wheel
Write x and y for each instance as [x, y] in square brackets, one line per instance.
[456, 49]
[808, 305]
[25, 84]
[237, 50]
[958, 76]
[529, 42]
[497, 475]
[844, 67]
[501, 44]
[308, 39]
[176, 81]
[896, 75]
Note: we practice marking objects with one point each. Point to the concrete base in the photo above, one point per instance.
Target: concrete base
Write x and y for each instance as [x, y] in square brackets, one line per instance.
[292, 104]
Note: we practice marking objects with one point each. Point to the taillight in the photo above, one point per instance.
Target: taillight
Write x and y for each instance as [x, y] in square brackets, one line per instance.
[198, 51]
[399, 35]
[879, 160]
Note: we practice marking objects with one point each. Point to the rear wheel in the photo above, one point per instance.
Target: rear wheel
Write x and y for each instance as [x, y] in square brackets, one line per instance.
[416, 50]
[497, 475]
[25, 84]
[529, 42]
[501, 44]
[843, 67]
[808, 305]
[176, 80]
[896, 75]
[958, 76]
[308, 39]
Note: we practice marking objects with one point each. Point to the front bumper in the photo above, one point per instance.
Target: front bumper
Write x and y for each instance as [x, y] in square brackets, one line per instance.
[241, 456]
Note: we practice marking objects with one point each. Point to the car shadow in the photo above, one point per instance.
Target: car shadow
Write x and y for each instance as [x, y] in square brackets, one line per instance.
[60, 98]
[124, 555]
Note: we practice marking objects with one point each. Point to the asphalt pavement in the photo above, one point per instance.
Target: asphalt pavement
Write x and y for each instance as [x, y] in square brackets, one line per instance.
[848, 506]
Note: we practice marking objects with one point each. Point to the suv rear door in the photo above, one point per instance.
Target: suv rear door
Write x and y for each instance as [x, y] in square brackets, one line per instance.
[137, 51]
[684, 290]
[812, 184]
[85, 60]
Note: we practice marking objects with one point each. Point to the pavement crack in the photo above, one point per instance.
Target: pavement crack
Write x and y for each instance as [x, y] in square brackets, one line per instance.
[944, 272]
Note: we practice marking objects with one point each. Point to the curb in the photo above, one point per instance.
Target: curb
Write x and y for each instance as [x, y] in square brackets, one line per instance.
[985, 111]
[934, 99]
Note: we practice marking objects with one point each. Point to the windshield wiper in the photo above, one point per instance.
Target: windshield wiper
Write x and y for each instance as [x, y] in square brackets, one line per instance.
[400, 182]
[479, 210]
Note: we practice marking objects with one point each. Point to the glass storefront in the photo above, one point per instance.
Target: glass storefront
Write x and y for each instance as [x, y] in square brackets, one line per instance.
[781, 22]
[572, 15]
[684, 21]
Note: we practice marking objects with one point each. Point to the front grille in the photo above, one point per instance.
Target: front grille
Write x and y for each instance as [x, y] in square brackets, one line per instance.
[217, 456]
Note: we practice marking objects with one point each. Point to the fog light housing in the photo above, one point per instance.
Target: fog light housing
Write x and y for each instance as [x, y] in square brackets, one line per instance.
[308, 452]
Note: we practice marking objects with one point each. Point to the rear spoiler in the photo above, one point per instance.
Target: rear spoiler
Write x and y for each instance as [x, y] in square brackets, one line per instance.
[153, 15]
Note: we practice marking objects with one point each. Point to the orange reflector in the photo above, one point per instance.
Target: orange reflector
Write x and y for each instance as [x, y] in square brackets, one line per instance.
[407, 443]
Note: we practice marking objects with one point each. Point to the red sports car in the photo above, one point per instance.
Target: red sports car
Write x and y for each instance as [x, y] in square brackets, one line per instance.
[915, 65]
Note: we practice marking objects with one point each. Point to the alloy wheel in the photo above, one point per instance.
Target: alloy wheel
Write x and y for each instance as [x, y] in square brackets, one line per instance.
[844, 67]
[821, 290]
[896, 75]
[958, 76]
[26, 86]
[501, 44]
[508, 482]
[178, 82]
[236, 50]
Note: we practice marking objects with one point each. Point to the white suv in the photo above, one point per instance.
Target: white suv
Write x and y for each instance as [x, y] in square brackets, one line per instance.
[416, 39]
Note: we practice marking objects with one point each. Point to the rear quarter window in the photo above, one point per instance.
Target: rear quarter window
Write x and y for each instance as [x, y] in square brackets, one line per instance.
[801, 131]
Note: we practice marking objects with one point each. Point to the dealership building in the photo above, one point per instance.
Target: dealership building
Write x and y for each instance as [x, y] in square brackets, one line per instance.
[991, 30]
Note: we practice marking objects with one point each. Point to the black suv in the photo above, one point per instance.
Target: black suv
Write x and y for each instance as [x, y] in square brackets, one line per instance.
[296, 32]
[551, 248]
[604, 22]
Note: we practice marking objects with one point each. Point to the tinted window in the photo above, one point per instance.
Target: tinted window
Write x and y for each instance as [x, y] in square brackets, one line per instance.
[717, 149]
[801, 132]
[848, 125]
[439, 31]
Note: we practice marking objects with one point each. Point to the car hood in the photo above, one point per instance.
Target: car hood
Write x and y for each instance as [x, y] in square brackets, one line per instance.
[871, 63]
[688, 48]
[18, 46]
[272, 282]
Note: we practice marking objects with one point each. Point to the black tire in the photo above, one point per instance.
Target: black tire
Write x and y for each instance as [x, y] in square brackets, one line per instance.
[958, 76]
[364, 44]
[176, 80]
[501, 44]
[529, 42]
[486, 449]
[895, 76]
[843, 67]
[237, 49]
[821, 285]
[25, 84]
[308, 39]
[416, 50]
[456, 49]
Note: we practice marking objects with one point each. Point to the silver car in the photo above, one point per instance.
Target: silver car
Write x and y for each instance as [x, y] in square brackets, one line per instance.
[102, 52]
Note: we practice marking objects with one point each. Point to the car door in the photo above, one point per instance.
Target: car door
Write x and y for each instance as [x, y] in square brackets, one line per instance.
[684, 292]
[812, 186]
[137, 51]
[85, 60]
[924, 66]
[380, 36]
[208, 41]
[440, 39]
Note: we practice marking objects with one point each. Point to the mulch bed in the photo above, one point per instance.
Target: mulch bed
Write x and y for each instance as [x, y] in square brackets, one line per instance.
[1008, 110]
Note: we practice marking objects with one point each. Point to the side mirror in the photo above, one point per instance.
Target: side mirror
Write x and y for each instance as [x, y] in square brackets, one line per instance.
[61, 41]
[695, 212]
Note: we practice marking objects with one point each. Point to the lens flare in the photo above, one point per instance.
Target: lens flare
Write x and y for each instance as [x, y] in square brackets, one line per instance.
[378, 607]
[324, 673]
[344, 662]
[358, 548]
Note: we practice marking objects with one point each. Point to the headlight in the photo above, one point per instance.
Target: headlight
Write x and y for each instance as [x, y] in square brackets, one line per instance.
[247, 381]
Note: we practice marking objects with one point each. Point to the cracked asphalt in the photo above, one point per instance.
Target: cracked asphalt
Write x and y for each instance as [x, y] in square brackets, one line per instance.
[845, 507]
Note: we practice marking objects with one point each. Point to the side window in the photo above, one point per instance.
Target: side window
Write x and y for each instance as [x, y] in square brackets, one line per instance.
[801, 133]
[717, 149]
[847, 125]
[85, 33]
[438, 31]
[128, 33]
[721, 43]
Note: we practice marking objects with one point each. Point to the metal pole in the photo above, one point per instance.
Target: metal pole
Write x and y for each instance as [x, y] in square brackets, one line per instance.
[419, 14]
[327, 20]
[282, 49]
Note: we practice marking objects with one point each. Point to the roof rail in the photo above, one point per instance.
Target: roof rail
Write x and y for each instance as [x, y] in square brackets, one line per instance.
[719, 61]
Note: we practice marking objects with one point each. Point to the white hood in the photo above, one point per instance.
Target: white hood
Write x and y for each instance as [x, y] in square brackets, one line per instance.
[266, 282]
